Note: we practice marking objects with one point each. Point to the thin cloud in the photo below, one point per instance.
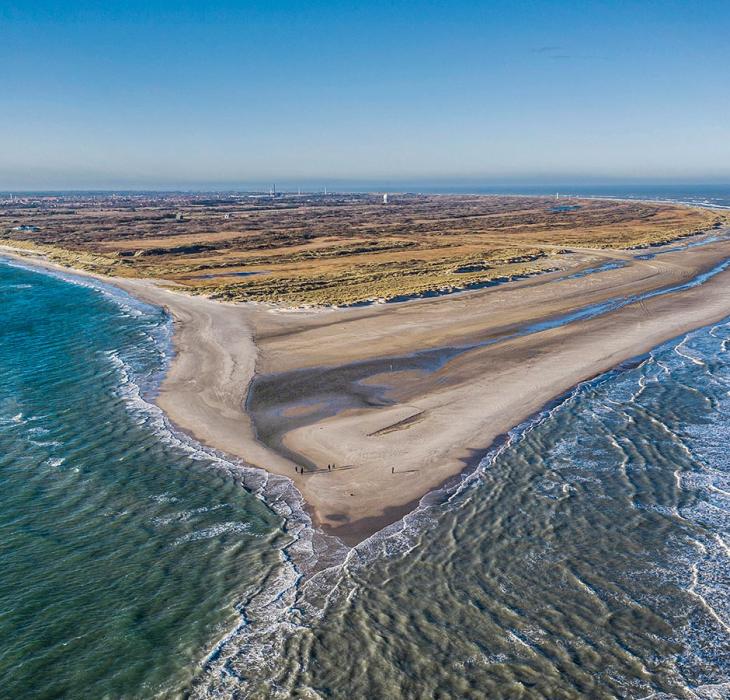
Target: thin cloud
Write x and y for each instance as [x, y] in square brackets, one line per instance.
[558, 53]
[547, 49]
[577, 57]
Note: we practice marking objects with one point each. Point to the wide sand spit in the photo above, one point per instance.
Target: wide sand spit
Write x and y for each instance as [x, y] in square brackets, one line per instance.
[367, 409]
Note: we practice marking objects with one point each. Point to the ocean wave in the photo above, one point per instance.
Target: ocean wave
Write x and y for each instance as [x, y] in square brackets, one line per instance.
[207, 533]
[9, 415]
[185, 515]
[137, 385]
[164, 498]
[46, 443]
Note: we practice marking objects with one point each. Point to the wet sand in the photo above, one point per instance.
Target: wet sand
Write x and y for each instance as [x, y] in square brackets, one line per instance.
[402, 397]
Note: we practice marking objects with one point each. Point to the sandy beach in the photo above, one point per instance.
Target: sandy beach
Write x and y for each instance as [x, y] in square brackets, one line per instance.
[402, 397]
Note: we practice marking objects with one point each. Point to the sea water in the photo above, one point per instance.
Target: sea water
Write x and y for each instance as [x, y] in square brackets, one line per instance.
[123, 551]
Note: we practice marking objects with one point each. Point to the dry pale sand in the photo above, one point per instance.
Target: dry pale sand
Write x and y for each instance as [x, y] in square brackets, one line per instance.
[421, 388]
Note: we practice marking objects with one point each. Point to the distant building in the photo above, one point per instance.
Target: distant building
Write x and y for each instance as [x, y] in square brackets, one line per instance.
[26, 227]
[385, 198]
[179, 216]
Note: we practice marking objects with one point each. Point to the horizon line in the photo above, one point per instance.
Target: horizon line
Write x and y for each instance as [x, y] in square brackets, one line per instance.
[335, 186]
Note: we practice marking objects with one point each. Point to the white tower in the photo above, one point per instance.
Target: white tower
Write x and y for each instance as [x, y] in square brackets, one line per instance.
[385, 198]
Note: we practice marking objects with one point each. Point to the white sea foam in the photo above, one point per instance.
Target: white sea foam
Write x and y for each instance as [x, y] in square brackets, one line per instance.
[164, 498]
[217, 530]
[46, 443]
[185, 515]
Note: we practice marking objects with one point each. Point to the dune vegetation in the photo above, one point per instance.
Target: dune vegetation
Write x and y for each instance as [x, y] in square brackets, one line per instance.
[334, 249]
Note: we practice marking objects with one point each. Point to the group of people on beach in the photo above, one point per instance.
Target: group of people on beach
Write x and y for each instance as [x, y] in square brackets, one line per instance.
[330, 467]
[300, 470]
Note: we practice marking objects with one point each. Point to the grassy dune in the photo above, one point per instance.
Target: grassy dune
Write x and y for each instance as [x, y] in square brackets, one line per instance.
[336, 249]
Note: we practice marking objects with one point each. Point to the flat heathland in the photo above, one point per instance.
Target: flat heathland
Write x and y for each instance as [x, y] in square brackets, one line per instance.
[334, 249]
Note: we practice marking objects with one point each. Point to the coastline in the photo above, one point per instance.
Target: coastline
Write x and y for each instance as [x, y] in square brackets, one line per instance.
[474, 397]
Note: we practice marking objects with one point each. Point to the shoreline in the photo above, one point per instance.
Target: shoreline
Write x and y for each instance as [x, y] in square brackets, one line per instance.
[222, 349]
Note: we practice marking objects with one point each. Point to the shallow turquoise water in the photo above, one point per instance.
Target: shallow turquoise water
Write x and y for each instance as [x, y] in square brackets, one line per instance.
[122, 552]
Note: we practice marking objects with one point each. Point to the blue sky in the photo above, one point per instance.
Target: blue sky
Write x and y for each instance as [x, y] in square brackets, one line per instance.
[176, 94]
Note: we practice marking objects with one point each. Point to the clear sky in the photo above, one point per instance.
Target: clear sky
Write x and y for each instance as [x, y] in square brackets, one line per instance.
[147, 93]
